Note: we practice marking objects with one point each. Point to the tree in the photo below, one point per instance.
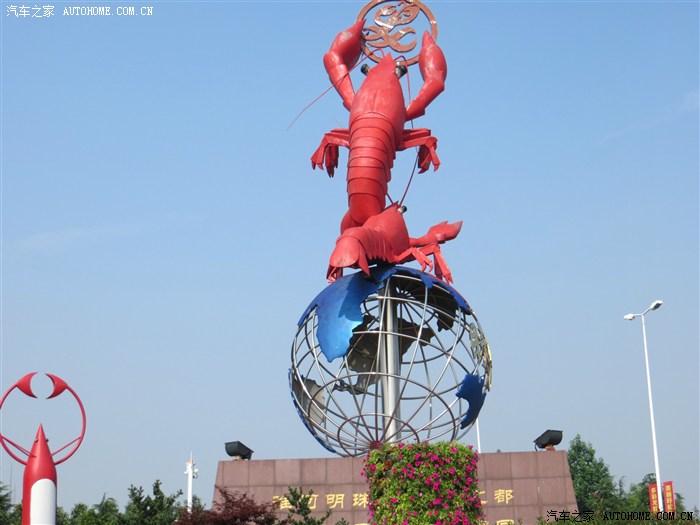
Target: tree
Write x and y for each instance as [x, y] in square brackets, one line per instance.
[235, 508]
[146, 510]
[10, 514]
[593, 484]
[62, 517]
[637, 499]
[106, 512]
[300, 507]
[5, 504]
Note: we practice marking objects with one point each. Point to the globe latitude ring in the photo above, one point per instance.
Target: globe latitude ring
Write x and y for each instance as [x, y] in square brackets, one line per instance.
[343, 385]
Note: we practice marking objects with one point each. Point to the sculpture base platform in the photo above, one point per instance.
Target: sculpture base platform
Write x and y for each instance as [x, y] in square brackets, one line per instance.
[515, 486]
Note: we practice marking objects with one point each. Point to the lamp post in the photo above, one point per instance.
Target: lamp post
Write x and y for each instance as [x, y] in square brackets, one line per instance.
[654, 306]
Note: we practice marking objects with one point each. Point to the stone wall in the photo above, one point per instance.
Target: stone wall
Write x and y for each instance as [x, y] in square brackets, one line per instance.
[515, 486]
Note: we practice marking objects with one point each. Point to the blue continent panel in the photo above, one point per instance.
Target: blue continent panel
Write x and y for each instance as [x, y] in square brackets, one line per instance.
[472, 389]
[339, 311]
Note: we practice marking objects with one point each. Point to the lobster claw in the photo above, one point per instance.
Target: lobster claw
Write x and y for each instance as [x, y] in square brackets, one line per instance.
[433, 69]
[341, 57]
[25, 384]
[59, 385]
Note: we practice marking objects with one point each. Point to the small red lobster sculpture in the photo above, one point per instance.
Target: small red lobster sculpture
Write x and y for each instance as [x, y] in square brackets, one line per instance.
[370, 231]
[384, 237]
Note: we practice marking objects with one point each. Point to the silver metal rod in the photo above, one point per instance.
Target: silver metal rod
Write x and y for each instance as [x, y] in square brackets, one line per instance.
[659, 493]
[390, 367]
[478, 437]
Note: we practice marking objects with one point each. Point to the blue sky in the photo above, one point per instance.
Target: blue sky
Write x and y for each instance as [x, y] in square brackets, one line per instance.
[162, 230]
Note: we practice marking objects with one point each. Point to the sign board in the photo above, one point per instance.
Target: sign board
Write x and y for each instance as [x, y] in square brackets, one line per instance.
[669, 497]
[653, 498]
[513, 485]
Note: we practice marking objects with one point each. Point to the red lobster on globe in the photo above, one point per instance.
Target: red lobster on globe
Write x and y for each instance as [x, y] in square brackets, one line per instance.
[371, 231]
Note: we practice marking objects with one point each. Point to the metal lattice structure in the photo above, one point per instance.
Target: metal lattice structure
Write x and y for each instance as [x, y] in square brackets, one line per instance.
[404, 374]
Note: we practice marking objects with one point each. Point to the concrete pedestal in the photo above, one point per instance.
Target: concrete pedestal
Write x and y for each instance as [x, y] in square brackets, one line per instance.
[514, 485]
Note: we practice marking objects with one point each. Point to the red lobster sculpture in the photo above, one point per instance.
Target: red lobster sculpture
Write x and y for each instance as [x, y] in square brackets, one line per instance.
[370, 231]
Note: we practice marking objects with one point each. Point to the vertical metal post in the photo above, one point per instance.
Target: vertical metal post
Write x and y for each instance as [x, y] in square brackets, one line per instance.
[660, 495]
[478, 437]
[390, 367]
[191, 473]
[629, 317]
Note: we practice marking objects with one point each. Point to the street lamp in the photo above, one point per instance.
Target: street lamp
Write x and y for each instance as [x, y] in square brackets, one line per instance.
[654, 306]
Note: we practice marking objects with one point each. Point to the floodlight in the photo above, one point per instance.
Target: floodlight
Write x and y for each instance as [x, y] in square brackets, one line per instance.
[549, 439]
[236, 449]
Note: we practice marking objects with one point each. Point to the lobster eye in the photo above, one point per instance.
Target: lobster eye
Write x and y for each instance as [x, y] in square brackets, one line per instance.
[364, 69]
[401, 71]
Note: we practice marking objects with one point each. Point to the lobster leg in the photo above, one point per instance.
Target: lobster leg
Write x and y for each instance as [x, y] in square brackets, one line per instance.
[416, 254]
[429, 244]
[427, 153]
[326, 155]
[442, 271]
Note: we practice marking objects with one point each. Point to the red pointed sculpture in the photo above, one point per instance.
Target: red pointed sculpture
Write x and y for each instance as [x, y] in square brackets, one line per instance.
[40, 480]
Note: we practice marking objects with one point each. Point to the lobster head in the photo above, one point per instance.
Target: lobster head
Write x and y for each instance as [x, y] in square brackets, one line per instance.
[348, 253]
[387, 69]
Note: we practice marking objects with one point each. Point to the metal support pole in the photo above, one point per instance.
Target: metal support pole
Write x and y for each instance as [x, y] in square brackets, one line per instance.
[191, 473]
[654, 306]
[390, 367]
[478, 437]
[660, 494]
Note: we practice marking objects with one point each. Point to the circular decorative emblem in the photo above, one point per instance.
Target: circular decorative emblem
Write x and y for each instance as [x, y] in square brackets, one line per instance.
[24, 385]
[390, 25]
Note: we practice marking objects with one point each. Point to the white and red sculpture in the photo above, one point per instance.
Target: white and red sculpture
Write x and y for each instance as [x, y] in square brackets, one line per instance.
[39, 487]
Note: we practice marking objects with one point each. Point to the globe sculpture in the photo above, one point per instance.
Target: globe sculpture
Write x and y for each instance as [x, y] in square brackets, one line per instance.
[395, 356]
[389, 353]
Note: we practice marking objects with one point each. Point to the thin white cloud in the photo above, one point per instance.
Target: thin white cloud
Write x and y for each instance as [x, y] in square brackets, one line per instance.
[689, 102]
[57, 240]
[52, 241]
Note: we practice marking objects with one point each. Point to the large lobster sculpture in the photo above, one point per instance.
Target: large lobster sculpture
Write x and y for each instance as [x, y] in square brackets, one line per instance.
[371, 231]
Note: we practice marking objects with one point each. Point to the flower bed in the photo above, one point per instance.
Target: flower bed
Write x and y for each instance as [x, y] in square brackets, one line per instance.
[423, 484]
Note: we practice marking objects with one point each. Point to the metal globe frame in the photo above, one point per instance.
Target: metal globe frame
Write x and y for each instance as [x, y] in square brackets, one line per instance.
[399, 378]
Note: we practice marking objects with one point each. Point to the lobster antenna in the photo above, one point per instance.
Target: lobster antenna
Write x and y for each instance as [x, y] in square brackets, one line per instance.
[415, 164]
[410, 179]
[326, 91]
